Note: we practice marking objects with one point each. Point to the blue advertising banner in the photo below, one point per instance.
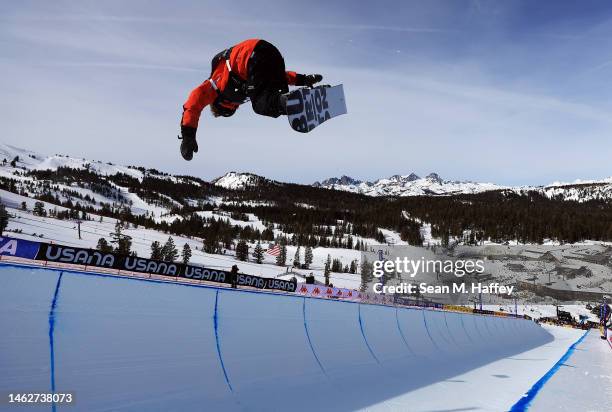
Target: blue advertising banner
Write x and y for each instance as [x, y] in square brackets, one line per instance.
[89, 257]
[18, 248]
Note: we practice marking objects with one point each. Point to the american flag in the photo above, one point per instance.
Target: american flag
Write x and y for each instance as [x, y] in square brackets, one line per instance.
[274, 250]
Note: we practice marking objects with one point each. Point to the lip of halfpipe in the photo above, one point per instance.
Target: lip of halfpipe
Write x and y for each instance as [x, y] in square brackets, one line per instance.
[131, 344]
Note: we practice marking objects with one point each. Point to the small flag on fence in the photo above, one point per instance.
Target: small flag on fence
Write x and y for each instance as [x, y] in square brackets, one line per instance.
[274, 250]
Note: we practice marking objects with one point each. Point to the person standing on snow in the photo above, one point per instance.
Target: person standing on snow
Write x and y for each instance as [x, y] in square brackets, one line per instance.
[253, 69]
[234, 276]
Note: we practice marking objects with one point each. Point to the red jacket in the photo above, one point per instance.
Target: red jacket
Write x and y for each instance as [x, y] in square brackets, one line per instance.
[205, 94]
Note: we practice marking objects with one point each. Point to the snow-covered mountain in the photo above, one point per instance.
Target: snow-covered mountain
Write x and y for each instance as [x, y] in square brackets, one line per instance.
[12, 159]
[407, 185]
[240, 181]
[434, 185]
[397, 185]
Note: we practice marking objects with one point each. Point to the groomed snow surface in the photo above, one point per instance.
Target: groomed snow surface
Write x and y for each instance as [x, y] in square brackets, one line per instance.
[127, 344]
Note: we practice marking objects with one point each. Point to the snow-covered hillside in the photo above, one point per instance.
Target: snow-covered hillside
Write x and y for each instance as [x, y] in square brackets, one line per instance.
[26, 225]
[36, 161]
[598, 190]
[102, 191]
[16, 163]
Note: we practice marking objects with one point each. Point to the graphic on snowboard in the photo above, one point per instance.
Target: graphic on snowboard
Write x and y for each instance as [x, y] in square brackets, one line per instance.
[309, 107]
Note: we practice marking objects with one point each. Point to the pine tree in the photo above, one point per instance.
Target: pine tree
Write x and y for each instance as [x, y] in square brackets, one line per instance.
[211, 244]
[104, 246]
[186, 254]
[24, 206]
[281, 259]
[366, 274]
[169, 251]
[156, 251]
[308, 257]
[258, 253]
[445, 238]
[39, 209]
[296, 258]
[353, 268]
[336, 266]
[122, 243]
[242, 250]
[327, 270]
[4, 218]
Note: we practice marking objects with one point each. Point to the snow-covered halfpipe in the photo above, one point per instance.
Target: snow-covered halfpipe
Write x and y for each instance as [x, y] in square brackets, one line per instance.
[128, 344]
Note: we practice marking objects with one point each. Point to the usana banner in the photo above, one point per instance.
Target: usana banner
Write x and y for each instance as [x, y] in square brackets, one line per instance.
[80, 256]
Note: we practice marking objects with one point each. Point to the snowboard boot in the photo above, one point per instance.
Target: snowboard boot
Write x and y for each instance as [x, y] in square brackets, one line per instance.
[189, 145]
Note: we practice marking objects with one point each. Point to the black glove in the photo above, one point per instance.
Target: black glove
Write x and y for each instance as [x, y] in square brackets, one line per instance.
[311, 79]
[188, 133]
[189, 145]
[307, 79]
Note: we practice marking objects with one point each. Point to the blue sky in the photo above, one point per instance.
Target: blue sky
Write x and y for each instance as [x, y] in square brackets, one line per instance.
[512, 92]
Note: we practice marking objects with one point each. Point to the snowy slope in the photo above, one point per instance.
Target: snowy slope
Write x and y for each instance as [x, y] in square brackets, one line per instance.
[599, 190]
[36, 161]
[25, 160]
[26, 225]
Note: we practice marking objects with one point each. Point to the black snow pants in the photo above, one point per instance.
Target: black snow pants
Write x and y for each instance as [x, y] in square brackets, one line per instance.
[267, 80]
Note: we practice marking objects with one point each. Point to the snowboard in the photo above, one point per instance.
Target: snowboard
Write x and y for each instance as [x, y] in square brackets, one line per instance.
[309, 107]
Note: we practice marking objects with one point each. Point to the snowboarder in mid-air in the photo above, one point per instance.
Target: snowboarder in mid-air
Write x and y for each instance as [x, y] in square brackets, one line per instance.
[253, 69]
